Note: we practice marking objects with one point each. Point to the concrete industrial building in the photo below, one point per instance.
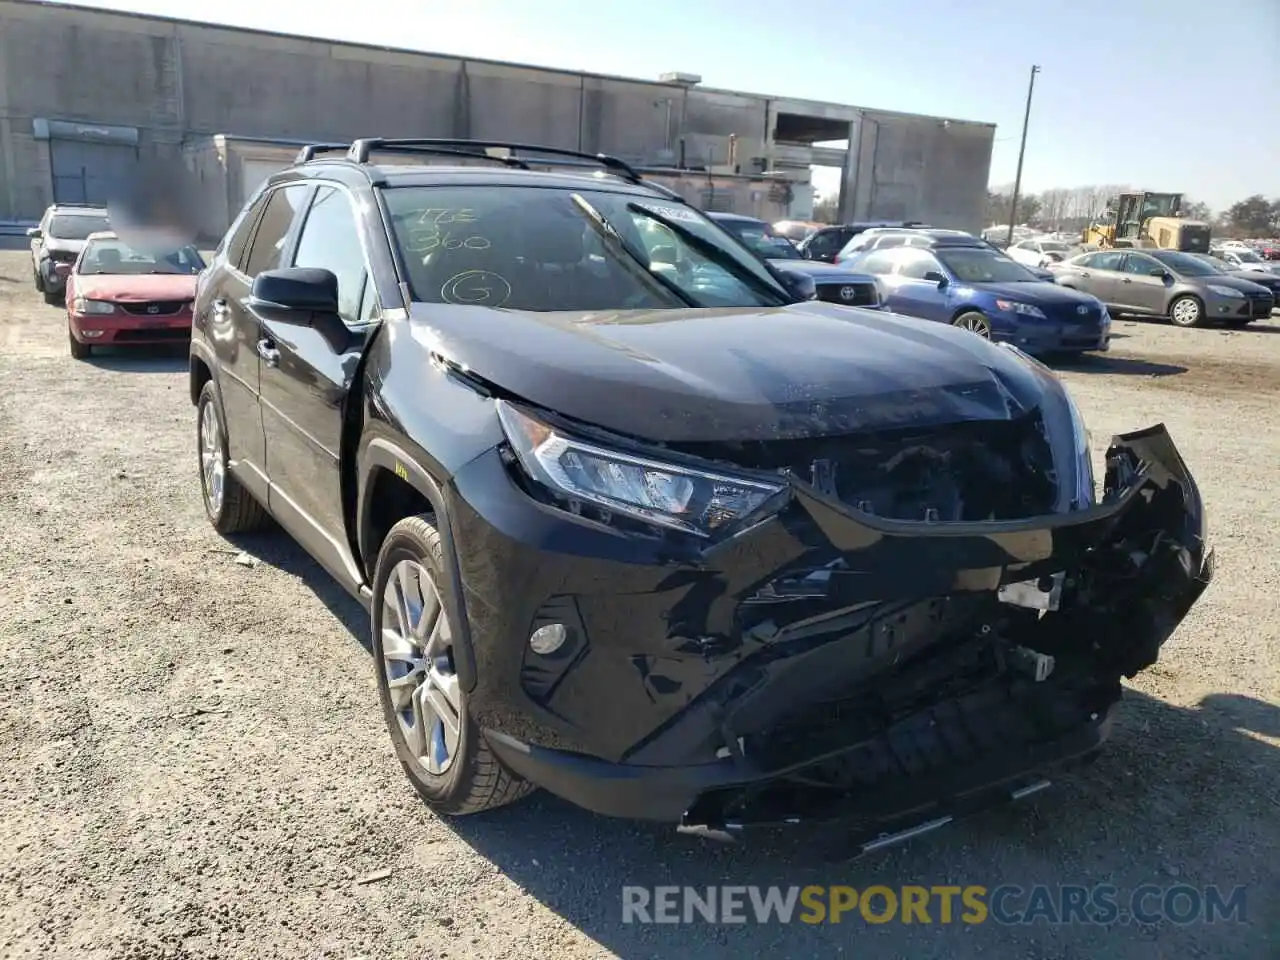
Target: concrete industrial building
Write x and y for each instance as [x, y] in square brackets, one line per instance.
[90, 99]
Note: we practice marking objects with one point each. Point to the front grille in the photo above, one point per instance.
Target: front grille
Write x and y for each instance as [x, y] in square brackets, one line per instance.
[1070, 314]
[164, 333]
[851, 294]
[154, 308]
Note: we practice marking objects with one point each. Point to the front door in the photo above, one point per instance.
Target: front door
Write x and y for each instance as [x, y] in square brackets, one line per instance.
[307, 372]
[1142, 286]
[1100, 275]
[914, 285]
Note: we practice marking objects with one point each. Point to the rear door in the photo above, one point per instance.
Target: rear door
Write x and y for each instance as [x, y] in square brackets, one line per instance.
[1140, 289]
[307, 371]
[234, 330]
[1099, 274]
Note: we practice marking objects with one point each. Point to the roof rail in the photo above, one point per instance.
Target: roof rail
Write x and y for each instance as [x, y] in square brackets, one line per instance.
[311, 150]
[360, 150]
[80, 203]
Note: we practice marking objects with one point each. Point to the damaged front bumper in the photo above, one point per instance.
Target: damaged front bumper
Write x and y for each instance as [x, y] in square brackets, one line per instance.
[823, 663]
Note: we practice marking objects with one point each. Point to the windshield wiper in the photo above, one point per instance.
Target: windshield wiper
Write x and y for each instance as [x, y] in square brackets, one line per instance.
[712, 252]
[609, 234]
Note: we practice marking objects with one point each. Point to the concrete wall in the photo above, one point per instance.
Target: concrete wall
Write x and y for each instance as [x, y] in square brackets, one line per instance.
[181, 83]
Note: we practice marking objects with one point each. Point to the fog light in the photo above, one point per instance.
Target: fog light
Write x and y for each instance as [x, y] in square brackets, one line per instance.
[92, 333]
[547, 640]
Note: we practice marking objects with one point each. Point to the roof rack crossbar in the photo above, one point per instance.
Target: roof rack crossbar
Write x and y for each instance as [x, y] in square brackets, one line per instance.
[360, 150]
[392, 147]
[312, 150]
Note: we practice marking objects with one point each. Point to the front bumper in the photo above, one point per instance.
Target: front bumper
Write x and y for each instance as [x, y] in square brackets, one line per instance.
[695, 688]
[1237, 308]
[124, 329]
[54, 274]
[1051, 336]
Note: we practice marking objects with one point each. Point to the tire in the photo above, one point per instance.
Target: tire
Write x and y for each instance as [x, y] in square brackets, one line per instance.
[39, 279]
[975, 322]
[1190, 308]
[468, 777]
[79, 351]
[54, 299]
[230, 507]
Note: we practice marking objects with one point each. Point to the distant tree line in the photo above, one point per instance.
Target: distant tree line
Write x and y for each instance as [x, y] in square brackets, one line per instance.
[1072, 209]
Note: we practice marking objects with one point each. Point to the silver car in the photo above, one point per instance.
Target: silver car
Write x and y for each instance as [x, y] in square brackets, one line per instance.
[1165, 283]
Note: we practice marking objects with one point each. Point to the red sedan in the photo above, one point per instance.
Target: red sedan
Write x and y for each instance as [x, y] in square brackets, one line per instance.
[123, 293]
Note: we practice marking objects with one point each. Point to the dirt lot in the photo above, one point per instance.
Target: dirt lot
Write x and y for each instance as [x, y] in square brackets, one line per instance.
[192, 763]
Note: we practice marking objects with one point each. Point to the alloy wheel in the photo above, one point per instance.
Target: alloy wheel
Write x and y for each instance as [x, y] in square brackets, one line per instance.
[975, 323]
[417, 657]
[1186, 312]
[213, 461]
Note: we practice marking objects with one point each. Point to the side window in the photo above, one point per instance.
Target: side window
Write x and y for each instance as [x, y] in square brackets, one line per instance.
[273, 228]
[237, 237]
[914, 264]
[331, 240]
[368, 302]
[825, 243]
[1140, 265]
[917, 241]
[879, 264]
[1108, 260]
[890, 241]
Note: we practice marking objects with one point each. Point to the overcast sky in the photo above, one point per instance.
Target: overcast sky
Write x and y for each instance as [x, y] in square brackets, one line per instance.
[1158, 94]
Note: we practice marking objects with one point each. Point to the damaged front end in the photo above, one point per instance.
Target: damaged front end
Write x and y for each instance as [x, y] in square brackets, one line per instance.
[844, 653]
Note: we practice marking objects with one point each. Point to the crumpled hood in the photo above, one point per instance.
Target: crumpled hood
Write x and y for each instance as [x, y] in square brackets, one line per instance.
[136, 289]
[54, 245]
[1046, 293]
[805, 370]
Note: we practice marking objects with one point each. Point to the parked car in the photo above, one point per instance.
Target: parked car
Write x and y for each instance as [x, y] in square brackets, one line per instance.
[56, 243]
[1269, 280]
[1247, 260]
[825, 243]
[696, 552]
[965, 283]
[831, 283]
[1165, 283]
[877, 238]
[127, 293]
[1039, 252]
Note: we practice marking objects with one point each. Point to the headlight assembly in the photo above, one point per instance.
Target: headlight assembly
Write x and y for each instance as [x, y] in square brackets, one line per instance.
[81, 305]
[1084, 492]
[1023, 309]
[1224, 291]
[667, 494]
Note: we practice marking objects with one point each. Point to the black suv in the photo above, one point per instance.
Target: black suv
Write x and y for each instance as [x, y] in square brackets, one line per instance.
[635, 524]
[57, 242]
[825, 243]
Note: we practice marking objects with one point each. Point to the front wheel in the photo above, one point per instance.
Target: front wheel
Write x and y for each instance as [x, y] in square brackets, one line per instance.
[441, 749]
[974, 322]
[39, 279]
[54, 298]
[1186, 311]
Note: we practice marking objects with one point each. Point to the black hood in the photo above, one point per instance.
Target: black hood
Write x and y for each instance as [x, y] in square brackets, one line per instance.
[1269, 280]
[822, 272]
[805, 370]
[1234, 280]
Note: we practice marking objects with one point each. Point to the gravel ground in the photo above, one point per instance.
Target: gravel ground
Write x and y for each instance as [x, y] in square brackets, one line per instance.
[192, 763]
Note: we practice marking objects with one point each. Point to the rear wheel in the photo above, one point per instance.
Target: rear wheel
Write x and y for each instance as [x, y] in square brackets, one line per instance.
[442, 751]
[974, 322]
[1186, 311]
[229, 506]
[39, 279]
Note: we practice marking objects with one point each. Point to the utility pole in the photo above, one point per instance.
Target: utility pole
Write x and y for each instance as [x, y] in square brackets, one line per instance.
[1017, 180]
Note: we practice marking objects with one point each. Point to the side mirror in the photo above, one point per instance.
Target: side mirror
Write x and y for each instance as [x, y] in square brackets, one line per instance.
[35, 233]
[1161, 272]
[295, 293]
[799, 285]
[935, 277]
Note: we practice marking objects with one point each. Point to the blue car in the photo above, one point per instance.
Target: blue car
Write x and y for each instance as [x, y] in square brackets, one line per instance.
[967, 283]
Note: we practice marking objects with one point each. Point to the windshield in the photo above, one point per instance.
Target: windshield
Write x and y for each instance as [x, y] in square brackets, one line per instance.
[981, 265]
[762, 238]
[1219, 265]
[1054, 246]
[533, 248]
[1183, 263]
[117, 258]
[76, 226]
[1247, 256]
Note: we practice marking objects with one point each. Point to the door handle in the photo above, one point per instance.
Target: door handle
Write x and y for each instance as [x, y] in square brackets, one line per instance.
[220, 309]
[268, 352]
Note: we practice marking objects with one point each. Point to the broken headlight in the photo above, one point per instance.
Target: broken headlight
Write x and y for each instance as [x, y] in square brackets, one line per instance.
[667, 494]
[1084, 485]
